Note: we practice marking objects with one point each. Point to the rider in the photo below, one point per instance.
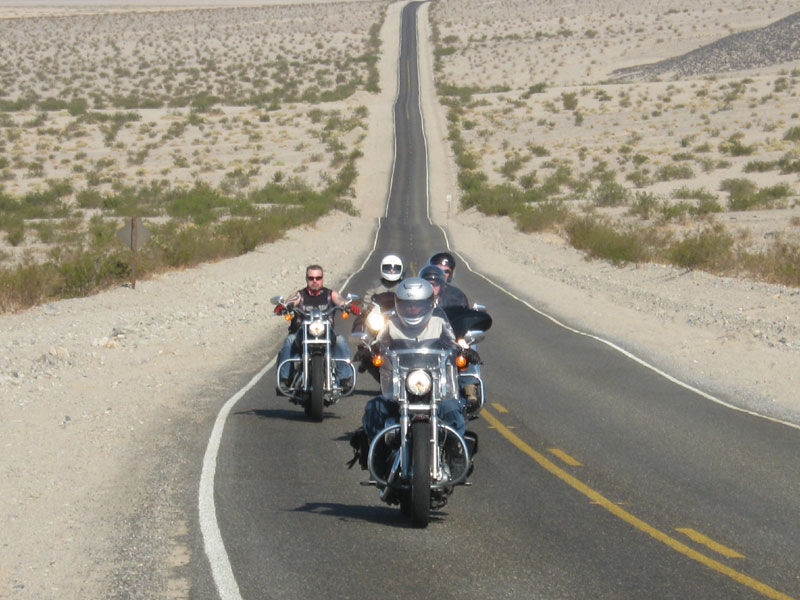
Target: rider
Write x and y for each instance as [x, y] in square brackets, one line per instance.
[391, 274]
[414, 322]
[314, 295]
[438, 280]
[449, 295]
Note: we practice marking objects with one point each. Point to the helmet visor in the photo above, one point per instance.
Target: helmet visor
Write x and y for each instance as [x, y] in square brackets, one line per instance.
[391, 269]
[414, 312]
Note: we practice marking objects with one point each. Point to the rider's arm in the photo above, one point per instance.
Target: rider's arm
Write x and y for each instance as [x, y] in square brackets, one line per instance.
[296, 299]
[337, 299]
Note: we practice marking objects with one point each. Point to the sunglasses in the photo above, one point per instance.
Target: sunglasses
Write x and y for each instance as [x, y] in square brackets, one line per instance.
[310, 278]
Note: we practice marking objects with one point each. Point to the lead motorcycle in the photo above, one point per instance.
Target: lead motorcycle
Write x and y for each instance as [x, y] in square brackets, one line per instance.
[312, 383]
[418, 461]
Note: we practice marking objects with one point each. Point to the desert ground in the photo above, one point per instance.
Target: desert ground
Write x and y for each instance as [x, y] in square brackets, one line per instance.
[106, 399]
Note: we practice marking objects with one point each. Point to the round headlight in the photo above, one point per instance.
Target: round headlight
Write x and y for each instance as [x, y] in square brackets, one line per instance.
[418, 382]
[317, 328]
[375, 321]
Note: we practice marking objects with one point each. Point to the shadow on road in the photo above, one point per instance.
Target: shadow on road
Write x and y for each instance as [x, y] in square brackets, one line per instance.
[284, 414]
[380, 515]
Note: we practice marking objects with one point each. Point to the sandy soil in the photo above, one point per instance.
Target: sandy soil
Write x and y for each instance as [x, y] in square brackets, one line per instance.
[94, 389]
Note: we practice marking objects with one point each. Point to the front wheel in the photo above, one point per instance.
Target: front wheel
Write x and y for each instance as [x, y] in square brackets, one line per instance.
[315, 403]
[421, 473]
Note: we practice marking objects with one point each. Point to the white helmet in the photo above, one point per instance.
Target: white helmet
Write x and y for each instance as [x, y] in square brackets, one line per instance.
[391, 267]
[413, 302]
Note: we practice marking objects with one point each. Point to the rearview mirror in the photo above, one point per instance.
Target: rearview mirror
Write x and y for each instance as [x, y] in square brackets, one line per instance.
[473, 336]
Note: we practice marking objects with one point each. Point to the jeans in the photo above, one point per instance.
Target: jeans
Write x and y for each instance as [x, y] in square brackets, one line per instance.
[380, 413]
[340, 350]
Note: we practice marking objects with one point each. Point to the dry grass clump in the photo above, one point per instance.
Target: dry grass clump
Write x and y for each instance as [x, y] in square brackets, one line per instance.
[633, 171]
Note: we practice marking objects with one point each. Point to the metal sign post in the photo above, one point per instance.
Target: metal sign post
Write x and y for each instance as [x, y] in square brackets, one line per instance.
[134, 235]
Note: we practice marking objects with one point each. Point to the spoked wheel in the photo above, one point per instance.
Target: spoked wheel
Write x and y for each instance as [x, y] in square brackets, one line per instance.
[315, 404]
[421, 474]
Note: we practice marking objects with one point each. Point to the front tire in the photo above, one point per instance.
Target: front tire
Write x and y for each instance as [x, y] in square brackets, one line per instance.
[421, 474]
[315, 403]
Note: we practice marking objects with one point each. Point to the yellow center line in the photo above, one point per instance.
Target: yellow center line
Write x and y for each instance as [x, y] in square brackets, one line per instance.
[499, 407]
[620, 512]
[698, 537]
[572, 462]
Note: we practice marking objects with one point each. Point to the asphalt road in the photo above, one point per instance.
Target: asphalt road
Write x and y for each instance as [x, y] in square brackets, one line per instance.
[597, 477]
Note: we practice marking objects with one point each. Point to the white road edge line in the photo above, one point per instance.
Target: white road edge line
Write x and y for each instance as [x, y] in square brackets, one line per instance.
[221, 570]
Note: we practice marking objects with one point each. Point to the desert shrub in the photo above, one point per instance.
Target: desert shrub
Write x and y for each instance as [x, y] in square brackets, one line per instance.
[789, 163]
[466, 160]
[197, 204]
[672, 172]
[542, 216]
[780, 263]
[85, 272]
[676, 211]
[610, 193]
[500, 200]
[760, 166]
[711, 248]
[707, 205]
[644, 205]
[15, 232]
[734, 146]
[640, 178]
[26, 285]
[744, 194]
[537, 150]
[511, 167]
[600, 239]
[569, 100]
[740, 192]
[792, 134]
[528, 180]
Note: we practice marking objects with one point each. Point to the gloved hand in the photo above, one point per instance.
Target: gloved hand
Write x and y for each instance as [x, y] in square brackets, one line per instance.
[472, 356]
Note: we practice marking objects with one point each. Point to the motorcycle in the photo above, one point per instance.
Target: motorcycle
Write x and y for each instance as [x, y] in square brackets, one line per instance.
[418, 462]
[313, 383]
[470, 381]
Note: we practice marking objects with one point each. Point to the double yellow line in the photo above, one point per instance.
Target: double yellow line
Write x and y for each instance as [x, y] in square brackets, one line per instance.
[623, 514]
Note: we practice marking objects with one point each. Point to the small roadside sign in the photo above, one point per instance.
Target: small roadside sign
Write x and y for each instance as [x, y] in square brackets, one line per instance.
[134, 234]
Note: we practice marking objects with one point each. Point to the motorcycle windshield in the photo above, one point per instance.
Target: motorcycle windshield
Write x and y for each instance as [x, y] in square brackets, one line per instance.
[437, 362]
[463, 319]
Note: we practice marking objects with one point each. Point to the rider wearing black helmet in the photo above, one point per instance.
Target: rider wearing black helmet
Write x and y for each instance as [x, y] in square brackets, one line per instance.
[446, 262]
[449, 294]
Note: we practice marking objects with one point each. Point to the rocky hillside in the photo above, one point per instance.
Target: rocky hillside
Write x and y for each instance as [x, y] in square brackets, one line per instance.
[774, 44]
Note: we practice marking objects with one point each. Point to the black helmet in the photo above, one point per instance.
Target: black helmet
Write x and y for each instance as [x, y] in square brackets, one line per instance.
[446, 262]
[413, 302]
[433, 275]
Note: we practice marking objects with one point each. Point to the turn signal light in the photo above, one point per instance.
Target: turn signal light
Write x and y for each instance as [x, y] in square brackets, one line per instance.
[377, 360]
[287, 316]
[461, 361]
[345, 314]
